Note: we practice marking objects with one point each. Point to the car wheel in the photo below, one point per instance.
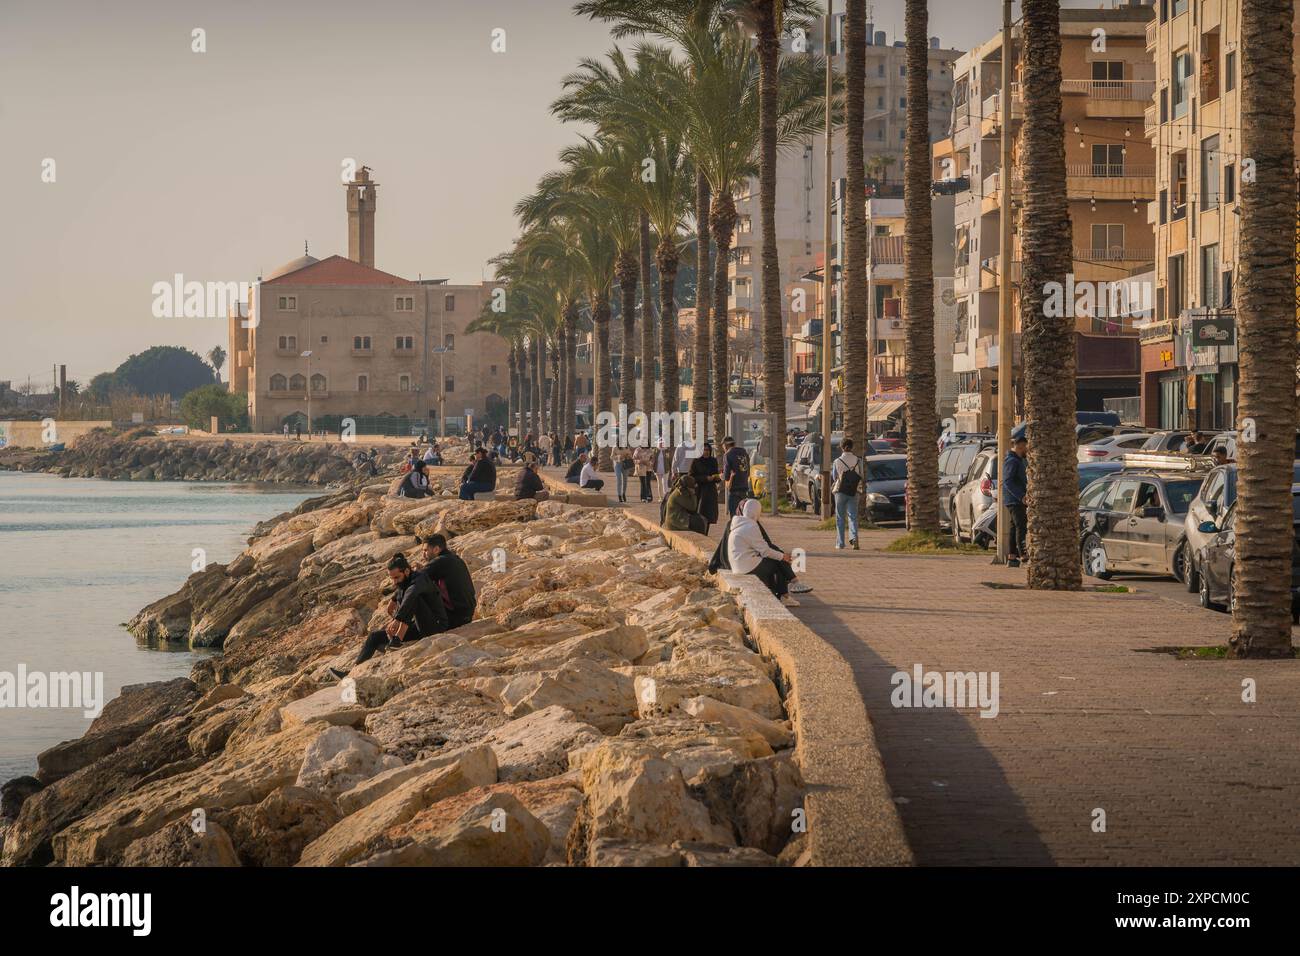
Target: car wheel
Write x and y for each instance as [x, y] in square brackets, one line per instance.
[816, 500]
[1203, 592]
[1093, 554]
[1191, 576]
[1179, 564]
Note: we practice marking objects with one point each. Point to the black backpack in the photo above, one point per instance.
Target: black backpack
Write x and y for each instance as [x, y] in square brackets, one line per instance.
[849, 481]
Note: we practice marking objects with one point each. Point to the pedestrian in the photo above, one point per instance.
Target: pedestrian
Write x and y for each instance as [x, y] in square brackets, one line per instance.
[643, 467]
[1015, 485]
[749, 551]
[297, 431]
[735, 472]
[661, 465]
[846, 479]
[286, 431]
[623, 465]
[704, 470]
[530, 484]
[544, 447]
[682, 458]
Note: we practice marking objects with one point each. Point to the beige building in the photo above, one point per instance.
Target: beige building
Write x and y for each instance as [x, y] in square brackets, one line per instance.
[337, 338]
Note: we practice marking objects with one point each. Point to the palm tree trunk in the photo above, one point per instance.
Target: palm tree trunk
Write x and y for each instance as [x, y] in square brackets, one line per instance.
[562, 377]
[722, 222]
[1261, 625]
[600, 316]
[542, 396]
[1047, 340]
[553, 403]
[666, 260]
[535, 390]
[628, 272]
[773, 320]
[648, 397]
[855, 330]
[571, 385]
[703, 298]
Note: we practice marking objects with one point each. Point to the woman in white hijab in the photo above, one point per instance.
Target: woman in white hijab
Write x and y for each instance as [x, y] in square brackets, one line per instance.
[749, 552]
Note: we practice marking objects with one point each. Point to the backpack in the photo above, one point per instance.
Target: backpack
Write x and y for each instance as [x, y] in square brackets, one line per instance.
[848, 481]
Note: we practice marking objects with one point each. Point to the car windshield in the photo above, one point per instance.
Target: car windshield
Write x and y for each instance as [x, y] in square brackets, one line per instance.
[887, 470]
[1181, 494]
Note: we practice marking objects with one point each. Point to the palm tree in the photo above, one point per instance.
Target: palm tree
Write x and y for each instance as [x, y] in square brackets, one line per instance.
[217, 358]
[855, 331]
[1261, 625]
[1047, 340]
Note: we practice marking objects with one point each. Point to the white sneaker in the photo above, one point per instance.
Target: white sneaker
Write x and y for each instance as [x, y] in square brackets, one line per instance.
[788, 601]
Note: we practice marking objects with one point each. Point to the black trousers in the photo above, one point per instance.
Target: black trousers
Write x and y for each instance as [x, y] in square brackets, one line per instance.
[645, 488]
[380, 639]
[595, 484]
[1019, 529]
[777, 575]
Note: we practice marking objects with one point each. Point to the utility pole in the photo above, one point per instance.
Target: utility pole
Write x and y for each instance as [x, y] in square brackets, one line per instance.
[827, 272]
[1006, 343]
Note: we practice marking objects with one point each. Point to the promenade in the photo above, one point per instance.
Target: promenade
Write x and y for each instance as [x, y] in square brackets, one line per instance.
[1090, 718]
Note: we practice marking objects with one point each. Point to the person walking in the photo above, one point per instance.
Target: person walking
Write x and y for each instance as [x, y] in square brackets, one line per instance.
[683, 456]
[1015, 486]
[643, 467]
[846, 479]
[623, 465]
[286, 431]
[704, 470]
[735, 472]
[661, 465]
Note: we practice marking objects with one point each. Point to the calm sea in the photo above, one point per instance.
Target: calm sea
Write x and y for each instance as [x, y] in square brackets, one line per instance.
[79, 557]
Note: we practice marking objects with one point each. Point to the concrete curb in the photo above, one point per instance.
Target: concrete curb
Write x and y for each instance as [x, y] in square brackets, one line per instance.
[852, 818]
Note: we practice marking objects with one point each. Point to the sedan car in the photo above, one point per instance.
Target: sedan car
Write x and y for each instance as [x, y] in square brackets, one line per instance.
[973, 495]
[986, 528]
[806, 474]
[1114, 446]
[1215, 582]
[884, 485]
[1133, 521]
[1166, 442]
[954, 462]
[1213, 501]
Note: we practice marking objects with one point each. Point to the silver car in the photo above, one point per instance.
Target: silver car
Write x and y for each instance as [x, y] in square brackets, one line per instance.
[1114, 446]
[974, 495]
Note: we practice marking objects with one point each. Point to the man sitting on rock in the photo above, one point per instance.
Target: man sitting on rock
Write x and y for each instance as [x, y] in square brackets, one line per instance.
[448, 572]
[480, 477]
[416, 607]
[415, 484]
[530, 484]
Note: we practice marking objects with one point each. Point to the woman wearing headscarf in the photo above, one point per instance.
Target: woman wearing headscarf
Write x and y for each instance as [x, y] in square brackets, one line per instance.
[749, 551]
[707, 475]
[683, 504]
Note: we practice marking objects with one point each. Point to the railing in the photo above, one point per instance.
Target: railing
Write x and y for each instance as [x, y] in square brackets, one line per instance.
[1110, 171]
[891, 366]
[1149, 120]
[1111, 89]
[1151, 34]
[403, 353]
[1114, 254]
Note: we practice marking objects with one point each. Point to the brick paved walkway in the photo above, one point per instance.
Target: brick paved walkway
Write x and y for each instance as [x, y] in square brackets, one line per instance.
[1186, 773]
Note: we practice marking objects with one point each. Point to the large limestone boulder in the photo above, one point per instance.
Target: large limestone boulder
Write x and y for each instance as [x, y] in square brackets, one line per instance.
[340, 759]
[478, 762]
[497, 830]
[593, 693]
[538, 744]
[776, 733]
[178, 844]
[757, 799]
[740, 683]
[274, 832]
[330, 704]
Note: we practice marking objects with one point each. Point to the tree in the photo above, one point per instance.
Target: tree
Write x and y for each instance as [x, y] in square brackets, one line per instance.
[200, 405]
[1261, 625]
[855, 332]
[1047, 338]
[100, 387]
[217, 358]
[163, 370]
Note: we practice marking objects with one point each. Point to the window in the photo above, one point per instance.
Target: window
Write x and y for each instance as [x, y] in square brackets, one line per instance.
[492, 369]
[449, 342]
[880, 69]
[278, 383]
[1164, 105]
[1108, 159]
[1210, 173]
[289, 343]
[1229, 183]
[1209, 66]
[449, 384]
[298, 383]
[1107, 241]
[1182, 72]
[405, 343]
[1227, 289]
[1178, 180]
[361, 343]
[449, 303]
[1175, 286]
[363, 383]
[1164, 203]
[1092, 498]
[403, 383]
[324, 340]
[1121, 496]
[1180, 7]
[318, 382]
[880, 102]
[1210, 276]
[1230, 72]
[288, 303]
[902, 102]
[405, 303]
[1108, 74]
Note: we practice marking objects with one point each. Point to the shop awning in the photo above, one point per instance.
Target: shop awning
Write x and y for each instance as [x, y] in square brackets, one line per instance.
[880, 411]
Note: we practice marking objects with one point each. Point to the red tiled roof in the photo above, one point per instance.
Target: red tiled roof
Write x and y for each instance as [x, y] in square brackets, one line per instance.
[338, 270]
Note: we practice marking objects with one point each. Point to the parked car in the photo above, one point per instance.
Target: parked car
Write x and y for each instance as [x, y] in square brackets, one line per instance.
[954, 462]
[1228, 442]
[879, 446]
[1217, 560]
[974, 494]
[1086, 432]
[805, 472]
[1132, 520]
[758, 472]
[1214, 499]
[953, 438]
[986, 526]
[884, 484]
[1116, 446]
[1166, 442]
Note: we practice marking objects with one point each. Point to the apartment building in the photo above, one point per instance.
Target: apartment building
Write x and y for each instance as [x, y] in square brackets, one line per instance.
[800, 195]
[1107, 81]
[337, 338]
[1194, 126]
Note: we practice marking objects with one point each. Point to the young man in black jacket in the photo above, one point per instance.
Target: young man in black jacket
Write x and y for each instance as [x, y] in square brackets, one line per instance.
[449, 574]
[480, 477]
[416, 607]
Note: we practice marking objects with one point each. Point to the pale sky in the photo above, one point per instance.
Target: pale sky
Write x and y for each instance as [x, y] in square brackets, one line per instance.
[218, 165]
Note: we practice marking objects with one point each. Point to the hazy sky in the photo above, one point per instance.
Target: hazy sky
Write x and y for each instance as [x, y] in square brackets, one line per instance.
[218, 165]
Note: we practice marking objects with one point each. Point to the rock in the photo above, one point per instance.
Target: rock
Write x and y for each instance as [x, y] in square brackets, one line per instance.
[274, 832]
[326, 704]
[704, 854]
[357, 835]
[757, 799]
[609, 852]
[593, 693]
[731, 682]
[218, 694]
[498, 830]
[340, 759]
[427, 716]
[14, 793]
[538, 744]
[177, 844]
[478, 763]
[707, 709]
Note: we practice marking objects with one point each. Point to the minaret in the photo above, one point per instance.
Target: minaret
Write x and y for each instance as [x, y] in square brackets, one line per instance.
[361, 218]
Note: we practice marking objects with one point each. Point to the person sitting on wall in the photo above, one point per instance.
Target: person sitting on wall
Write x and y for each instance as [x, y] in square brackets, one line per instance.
[575, 469]
[587, 477]
[415, 484]
[480, 477]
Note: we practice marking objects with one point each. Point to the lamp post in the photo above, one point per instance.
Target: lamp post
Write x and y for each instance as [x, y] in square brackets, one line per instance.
[1006, 344]
[827, 272]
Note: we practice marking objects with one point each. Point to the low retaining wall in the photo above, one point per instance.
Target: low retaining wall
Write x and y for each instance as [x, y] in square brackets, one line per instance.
[852, 818]
[32, 434]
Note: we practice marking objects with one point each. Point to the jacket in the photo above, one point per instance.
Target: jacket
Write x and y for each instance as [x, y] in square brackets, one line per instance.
[451, 575]
[1015, 479]
[420, 606]
[747, 545]
[682, 503]
[529, 484]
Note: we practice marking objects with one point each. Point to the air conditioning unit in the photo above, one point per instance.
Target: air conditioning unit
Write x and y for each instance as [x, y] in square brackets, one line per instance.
[895, 323]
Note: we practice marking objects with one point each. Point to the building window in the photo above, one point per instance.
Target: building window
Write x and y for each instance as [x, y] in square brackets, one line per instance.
[403, 383]
[1178, 181]
[880, 69]
[324, 340]
[492, 370]
[1209, 66]
[1108, 74]
[1107, 241]
[318, 382]
[405, 343]
[1180, 7]
[288, 303]
[880, 102]
[406, 303]
[1107, 159]
[361, 343]
[1175, 286]
[902, 102]
[289, 343]
[449, 342]
[1164, 105]
[1210, 276]
[449, 384]
[1227, 289]
[1182, 73]
[1229, 183]
[363, 383]
[298, 383]
[278, 383]
[449, 303]
[1210, 173]
[1230, 72]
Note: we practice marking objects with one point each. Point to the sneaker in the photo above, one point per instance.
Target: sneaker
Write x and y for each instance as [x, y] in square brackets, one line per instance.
[340, 674]
[839, 547]
[1013, 562]
[798, 587]
[788, 601]
[854, 544]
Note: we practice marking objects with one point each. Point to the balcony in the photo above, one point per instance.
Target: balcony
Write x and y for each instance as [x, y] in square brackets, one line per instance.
[740, 303]
[288, 353]
[890, 373]
[1126, 181]
[991, 273]
[1150, 121]
[362, 353]
[1111, 99]
[1152, 28]
[887, 251]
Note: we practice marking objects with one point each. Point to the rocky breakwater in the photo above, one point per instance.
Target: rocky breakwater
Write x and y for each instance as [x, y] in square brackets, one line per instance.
[143, 455]
[603, 708]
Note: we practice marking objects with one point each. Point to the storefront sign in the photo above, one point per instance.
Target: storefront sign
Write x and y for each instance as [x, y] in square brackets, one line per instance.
[970, 402]
[807, 386]
[1220, 329]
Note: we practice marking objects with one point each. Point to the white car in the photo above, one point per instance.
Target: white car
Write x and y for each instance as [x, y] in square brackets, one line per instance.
[1114, 446]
